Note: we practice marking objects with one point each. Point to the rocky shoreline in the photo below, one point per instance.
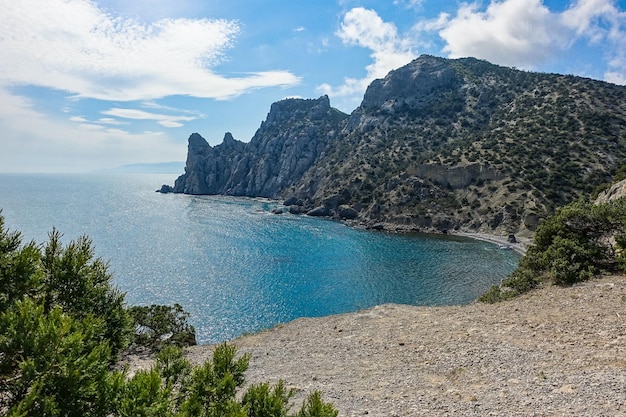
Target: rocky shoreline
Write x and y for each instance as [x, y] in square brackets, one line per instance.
[352, 219]
[552, 352]
[520, 245]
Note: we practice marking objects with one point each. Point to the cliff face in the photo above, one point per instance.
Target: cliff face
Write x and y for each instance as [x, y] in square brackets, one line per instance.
[436, 144]
[291, 139]
[208, 169]
[614, 192]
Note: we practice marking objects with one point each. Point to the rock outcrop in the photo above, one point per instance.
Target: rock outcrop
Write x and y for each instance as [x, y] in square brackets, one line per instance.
[292, 138]
[615, 192]
[209, 169]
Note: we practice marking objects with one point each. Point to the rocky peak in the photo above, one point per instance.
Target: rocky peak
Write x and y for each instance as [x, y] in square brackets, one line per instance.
[291, 139]
[197, 144]
[291, 110]
[411, 85]
[228, 139]
[230, 144]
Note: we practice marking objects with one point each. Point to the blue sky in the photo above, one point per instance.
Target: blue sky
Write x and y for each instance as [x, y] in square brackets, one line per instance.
[88, 85]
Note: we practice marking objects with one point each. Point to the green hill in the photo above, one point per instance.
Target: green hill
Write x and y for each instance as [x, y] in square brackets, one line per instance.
[438, 144]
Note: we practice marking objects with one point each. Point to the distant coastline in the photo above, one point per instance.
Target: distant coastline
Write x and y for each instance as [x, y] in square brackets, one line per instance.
[173, 167]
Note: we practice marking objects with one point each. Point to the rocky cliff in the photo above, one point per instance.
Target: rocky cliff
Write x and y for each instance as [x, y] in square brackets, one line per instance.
[614, 192]
[294, 135]
[437, 144]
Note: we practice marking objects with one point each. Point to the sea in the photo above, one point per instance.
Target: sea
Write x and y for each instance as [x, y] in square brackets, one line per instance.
[234, 266]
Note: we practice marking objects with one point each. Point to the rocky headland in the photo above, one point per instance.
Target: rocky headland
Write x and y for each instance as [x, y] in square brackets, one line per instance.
[436, 145]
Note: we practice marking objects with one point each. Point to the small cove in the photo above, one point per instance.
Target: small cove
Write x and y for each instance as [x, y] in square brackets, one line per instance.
[234, 266]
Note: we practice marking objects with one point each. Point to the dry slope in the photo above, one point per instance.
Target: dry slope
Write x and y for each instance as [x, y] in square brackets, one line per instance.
[553, 352]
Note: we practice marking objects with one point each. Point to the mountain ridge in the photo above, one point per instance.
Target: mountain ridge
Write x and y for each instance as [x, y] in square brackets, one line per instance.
[436, 145]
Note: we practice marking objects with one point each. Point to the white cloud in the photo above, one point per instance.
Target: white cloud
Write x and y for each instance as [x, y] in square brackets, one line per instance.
[603, 24]
[583, 17]
[154, 105]
[164, 120]
[111, 121]
[90, 126]
[615, 77]
[364, 28]
[74, 46]
[526, 34]
[170, 123]
[118, 132]
[410, 4]
[33, 142]
[616, 72]
[512, 32]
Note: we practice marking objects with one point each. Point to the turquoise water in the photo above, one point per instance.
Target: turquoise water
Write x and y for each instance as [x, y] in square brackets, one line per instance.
[234, 266]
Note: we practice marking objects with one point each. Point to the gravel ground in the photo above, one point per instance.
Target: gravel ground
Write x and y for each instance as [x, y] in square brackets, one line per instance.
[554, 352]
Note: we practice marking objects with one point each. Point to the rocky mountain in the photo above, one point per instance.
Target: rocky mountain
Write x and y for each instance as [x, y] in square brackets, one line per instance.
[438, 144]
[295, 135]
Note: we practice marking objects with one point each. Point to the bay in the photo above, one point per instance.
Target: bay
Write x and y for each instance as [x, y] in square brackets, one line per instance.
[232, 264]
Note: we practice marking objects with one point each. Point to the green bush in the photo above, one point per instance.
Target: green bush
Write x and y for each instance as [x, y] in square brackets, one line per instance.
[81, 285]
[262, 400]
[315, 407]
[173, 388]
[159, 325]
[54, 364]
[573, 245]
[63, 326]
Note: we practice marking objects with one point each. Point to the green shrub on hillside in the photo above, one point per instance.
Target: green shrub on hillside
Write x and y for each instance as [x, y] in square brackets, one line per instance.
[578, 242]
[80, 284]
[159, 325]
[63, 326]
[53, 364]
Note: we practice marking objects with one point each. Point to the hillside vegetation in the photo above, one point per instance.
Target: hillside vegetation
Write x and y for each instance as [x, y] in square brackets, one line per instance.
[438, 144]
[580, 241]
[483, 147]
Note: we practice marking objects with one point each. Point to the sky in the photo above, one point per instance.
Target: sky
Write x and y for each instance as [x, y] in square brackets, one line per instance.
[88, 85]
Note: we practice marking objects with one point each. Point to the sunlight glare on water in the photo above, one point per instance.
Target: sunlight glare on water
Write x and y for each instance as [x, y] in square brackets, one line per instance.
[234, 266]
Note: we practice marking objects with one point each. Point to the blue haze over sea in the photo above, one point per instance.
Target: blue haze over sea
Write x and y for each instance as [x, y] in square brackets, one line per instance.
[234, 266]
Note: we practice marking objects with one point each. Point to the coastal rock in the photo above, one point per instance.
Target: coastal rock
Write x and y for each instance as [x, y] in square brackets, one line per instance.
[165, 189]
[293, 201]
[320, 211]
[294, 135]
[347, 213]
[208, 169]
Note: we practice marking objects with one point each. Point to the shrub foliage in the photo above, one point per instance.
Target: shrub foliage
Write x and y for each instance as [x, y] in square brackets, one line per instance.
[63, 326]
[158, 325]
[578, 242]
